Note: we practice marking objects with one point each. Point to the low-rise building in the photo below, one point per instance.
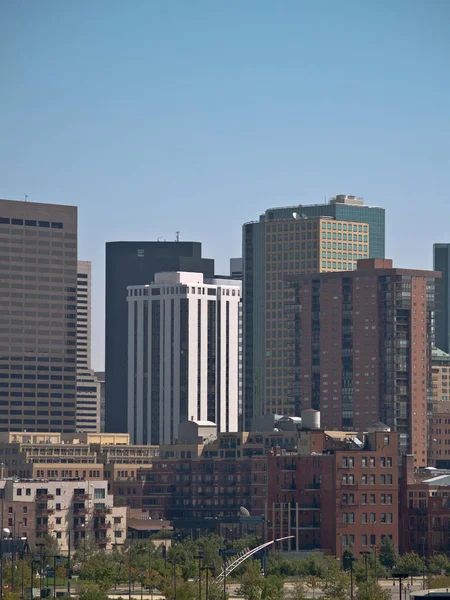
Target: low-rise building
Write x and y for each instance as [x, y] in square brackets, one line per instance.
[338, 492]
[69, 510]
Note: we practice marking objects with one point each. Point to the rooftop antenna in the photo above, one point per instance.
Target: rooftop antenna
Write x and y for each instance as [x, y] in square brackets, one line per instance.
[177, 236]
[26, 196]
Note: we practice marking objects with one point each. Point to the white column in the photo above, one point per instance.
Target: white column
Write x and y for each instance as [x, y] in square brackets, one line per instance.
[131, 309]
[139, 371]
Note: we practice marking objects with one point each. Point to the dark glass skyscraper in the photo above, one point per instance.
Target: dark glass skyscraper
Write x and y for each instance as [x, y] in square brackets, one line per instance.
[441, 262]
[256, 282]
[135, 263]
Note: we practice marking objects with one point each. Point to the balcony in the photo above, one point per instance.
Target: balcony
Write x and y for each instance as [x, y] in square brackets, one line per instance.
[312, 486]
[44, 512]
[80, 512]
[45, 497]
[313, 506]
[102, 526]
[81, 497]
[102, 541]
[309, 525]
[99, 512]
[44, 527]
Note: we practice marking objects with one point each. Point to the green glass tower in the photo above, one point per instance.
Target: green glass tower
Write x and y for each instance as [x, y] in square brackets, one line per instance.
[340, 208]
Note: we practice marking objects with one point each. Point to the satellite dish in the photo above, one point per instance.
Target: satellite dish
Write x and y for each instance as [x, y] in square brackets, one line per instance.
[295, 215]
[6, 532]
[244, 512]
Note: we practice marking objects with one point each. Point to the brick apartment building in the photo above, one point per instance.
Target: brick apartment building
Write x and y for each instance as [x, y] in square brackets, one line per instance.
[440, 421]
[359, 349]
[424, 509]
[336, 490]
[340, 491]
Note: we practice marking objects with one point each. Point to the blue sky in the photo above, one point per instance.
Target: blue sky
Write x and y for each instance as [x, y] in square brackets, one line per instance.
[196, 116]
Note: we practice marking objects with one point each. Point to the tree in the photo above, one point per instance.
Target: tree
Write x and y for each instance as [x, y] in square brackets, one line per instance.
[252, 582]
[439, 564]
[410, 563]
[313, 584]
[297, 591]
[337, 586]
[91, 591]
[372, 591]
[387, 552]
[348, 558]
[272, 588]
[46, 548]
[100, 569]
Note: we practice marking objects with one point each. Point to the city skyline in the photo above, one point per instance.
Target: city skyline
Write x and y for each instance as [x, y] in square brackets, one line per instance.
[289, 104]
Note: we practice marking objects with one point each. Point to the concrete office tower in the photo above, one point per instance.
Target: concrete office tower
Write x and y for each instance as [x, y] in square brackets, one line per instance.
[441, 262]
[100, 376]
[136, 263]
[274, 246]
[360, 349]
[38, 280]
[88, 388]
[183, 338]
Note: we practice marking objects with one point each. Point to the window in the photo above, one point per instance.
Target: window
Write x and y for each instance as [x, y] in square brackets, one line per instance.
[372, 480]
[364, 518]
[372, 461]
[345, 540]
[99, 493]
[19, 492]
[364, 461]
[58, 491]
[383, 461]
[364, 479]
[58, 535]
[351, 461]
[364, 499]
[383, 518]
[58, 506]
[372, 499]
[372, 517]
[389, 461]
[364, 540]
[28, 492]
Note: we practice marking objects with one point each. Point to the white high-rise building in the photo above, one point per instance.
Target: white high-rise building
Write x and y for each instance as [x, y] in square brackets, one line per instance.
[183, 355]
[88, 388]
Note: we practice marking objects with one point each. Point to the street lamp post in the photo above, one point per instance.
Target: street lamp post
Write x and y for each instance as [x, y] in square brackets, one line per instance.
[400, 577]
[68, 563]
[366, 555]
[199, 558]
[423, 563]
[129, 569]
[207, 569]
[23, 560]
